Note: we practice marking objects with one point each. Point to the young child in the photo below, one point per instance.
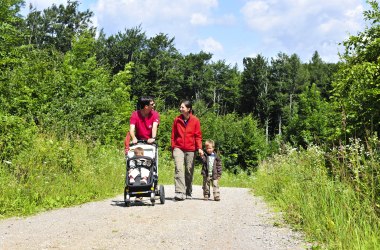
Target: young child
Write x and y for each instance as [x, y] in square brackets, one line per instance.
[211, 171]
[134, 170]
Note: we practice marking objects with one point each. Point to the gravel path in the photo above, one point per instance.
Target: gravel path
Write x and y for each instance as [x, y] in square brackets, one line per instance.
[239, 221]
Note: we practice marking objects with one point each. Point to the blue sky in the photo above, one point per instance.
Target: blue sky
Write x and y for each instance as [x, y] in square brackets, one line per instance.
[234, 29]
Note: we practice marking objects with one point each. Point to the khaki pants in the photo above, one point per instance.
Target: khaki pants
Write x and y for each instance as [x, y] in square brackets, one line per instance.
[207, 182]
[184, 169]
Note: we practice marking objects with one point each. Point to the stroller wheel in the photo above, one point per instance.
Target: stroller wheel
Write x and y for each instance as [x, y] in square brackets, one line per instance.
[153, 198]
[162, 194]
[127, 200]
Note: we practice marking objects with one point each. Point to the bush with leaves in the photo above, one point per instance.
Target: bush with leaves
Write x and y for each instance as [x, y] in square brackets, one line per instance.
[239, 139]
[16, 134]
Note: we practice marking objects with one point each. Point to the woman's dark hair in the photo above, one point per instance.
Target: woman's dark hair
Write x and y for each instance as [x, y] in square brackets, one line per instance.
[144, 100]
[188, 104]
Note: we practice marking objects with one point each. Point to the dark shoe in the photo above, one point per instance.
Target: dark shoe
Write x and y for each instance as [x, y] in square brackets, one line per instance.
[217, 198]
[205, 197]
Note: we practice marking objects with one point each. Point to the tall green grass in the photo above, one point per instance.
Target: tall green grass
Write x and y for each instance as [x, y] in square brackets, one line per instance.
[56, 173]
[328, 210]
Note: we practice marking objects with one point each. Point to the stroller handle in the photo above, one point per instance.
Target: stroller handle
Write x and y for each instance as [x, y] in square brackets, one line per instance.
[143, 141]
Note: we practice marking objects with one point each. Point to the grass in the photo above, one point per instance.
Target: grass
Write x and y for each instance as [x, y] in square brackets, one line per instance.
[327, 210]
[58, 173]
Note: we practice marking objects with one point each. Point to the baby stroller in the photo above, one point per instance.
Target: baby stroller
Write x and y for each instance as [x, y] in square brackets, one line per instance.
[149, 161]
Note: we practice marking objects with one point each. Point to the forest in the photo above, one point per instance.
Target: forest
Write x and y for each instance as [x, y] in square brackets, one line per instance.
[63, 78]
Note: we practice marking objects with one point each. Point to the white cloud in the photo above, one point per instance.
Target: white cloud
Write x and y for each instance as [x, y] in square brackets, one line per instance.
[244, 27]
[199, 19]
[301, 26]
[210, 45]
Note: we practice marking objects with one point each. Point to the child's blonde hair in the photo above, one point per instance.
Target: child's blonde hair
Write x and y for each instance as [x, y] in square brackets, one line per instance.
[139, 151]
[210, 142]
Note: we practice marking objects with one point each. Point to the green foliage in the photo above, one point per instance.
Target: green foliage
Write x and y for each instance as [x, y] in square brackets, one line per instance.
[16, 135]
[288, 77]
[68, 94]
[165, 128]
[240, 142]
[356, 90]
[56, 26]
[10, 26]
[313, 120]
[222, 93]
[55, 173]
[357, 94]
[358, 165]
[120, 49]
[28, 82]
[328, 211]
[255, 88]
[156, 71]
[321, 74]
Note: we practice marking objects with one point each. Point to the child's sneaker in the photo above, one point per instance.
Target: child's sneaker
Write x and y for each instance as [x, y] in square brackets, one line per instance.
[143, 181]
[131, 180]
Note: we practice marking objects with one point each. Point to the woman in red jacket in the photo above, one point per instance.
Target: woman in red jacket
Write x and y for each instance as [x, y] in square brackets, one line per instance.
[186, 139]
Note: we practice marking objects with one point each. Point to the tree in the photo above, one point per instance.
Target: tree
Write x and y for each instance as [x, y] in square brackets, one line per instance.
[56, 26]
[255, 90]
[196, 74]
[312, 123]
[321, 74]
[356, 88]
[156, 70]
[288, 76]
[11, 24]
[223, 90]
[122, 48]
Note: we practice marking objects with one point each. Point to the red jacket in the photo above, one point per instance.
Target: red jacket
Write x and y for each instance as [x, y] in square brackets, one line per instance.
[189, 137]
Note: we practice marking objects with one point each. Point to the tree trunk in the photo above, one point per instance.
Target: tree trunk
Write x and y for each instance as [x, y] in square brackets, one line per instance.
[267, 130]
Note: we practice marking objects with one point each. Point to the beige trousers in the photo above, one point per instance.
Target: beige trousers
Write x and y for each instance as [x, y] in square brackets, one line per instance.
[184, 169]
[207, 182]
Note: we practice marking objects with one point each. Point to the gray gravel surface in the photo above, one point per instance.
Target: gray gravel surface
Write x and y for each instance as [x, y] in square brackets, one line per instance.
[239, 221]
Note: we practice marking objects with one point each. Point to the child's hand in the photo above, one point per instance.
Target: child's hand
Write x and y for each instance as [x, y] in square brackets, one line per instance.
[200, 151]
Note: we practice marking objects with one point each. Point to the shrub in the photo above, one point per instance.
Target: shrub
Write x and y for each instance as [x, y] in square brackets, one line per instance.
[16, 134]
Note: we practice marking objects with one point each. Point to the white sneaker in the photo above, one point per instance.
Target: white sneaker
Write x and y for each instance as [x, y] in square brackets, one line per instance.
[179, 196]
[131, 180]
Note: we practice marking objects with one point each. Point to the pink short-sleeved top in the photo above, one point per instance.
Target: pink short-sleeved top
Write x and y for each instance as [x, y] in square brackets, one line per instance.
[144, 125]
